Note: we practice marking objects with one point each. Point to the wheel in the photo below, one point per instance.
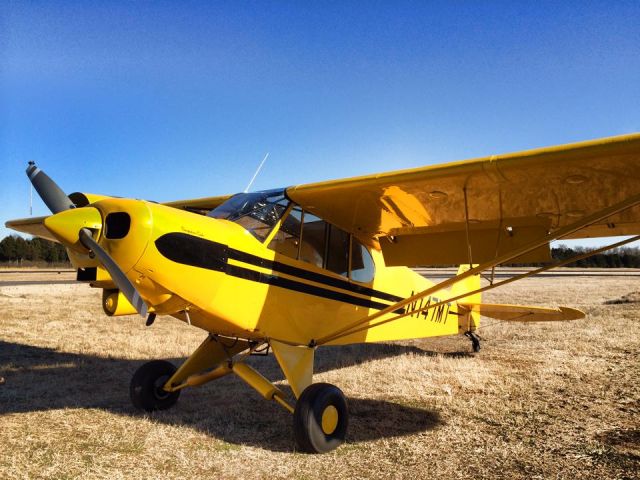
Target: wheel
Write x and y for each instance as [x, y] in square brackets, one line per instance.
[320, 418]
[146, 386]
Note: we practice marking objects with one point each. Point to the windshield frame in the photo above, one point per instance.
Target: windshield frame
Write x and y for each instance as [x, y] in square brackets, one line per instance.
[257, 212]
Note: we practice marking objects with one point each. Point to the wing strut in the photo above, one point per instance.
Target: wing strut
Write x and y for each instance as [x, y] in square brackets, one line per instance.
[365, 323]
[491, 286]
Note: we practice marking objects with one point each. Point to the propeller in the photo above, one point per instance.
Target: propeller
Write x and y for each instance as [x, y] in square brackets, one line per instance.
[58, 202]
[50, 193]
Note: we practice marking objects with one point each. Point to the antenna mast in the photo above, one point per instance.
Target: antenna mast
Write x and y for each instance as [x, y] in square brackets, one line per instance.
[257, 171]
[31, 194]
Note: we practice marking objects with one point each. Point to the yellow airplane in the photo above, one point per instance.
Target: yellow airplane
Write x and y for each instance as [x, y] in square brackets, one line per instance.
[326, 263]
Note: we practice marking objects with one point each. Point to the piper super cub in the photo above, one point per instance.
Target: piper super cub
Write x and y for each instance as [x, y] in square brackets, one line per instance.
[326, 263]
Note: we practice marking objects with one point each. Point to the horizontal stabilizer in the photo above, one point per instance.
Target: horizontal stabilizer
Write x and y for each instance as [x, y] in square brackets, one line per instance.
[522, 313]
[32, 226]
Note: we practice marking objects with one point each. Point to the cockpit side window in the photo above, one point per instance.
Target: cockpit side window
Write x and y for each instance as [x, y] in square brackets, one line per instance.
[256, 212]
[312, 247]
[306, 237]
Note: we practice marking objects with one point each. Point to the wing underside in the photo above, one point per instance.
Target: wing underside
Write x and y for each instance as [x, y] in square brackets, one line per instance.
[32, 226]
[485, 207]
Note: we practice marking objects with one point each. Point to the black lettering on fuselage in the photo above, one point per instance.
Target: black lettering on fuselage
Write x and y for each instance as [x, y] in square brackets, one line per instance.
[420, 309]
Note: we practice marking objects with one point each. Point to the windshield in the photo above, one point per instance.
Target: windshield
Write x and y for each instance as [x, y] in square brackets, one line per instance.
[257, 212]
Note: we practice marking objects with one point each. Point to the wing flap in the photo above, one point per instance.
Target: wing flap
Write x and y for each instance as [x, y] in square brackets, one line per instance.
[522, 313]
[449, 245]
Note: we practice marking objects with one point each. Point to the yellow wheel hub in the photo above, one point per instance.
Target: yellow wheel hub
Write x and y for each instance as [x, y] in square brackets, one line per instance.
[329, 420]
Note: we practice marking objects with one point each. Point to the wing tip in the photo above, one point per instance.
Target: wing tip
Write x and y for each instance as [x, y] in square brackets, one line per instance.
[572, 313]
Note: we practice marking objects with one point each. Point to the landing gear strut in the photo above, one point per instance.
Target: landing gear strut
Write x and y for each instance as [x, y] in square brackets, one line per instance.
[475, 340]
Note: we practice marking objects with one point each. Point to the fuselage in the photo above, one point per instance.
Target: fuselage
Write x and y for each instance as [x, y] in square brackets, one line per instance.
[222, 277]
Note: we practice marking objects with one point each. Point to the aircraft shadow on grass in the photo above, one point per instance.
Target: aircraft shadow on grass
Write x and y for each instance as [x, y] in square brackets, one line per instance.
[39, 379]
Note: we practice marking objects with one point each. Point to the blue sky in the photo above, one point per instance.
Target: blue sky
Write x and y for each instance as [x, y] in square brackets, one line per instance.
[168, 100]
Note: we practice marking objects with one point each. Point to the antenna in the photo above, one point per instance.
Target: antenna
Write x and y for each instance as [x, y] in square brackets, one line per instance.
[31, 193]
[256, 174]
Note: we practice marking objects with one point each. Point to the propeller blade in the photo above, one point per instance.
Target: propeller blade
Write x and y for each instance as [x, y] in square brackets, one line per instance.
[117, 275]
[50, 193]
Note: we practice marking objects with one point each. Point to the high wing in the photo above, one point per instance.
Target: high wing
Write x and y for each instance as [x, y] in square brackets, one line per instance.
[31, 225]
[484, 207]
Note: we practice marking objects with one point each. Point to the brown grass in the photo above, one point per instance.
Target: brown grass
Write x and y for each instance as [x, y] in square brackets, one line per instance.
[539, 401]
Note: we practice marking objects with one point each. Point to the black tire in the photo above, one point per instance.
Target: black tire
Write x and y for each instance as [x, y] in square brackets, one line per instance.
[316, 401]
[146, 386]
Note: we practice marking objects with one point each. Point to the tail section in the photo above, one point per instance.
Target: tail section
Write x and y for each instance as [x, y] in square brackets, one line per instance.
[468, 319]
[471, 307]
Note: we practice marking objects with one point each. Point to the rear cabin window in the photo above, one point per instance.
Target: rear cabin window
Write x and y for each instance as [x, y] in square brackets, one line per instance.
[362, 267]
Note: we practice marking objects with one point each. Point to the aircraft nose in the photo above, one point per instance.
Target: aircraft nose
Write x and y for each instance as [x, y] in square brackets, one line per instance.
[66, 225]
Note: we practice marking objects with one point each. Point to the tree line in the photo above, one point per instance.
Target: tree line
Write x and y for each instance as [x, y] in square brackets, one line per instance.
[16, 249]
[623, 257]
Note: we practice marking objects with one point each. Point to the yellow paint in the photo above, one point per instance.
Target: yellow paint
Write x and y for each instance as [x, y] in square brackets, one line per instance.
[66, 225]
[212, 352]
[260, 384]
[243, 289]
[329, 420]
[522, 313]
[518, 186]
[115, 304]
[198, 379]
[296, 363]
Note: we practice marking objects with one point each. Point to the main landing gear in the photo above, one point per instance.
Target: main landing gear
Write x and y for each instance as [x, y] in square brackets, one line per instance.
[321, 418]
[320, 415]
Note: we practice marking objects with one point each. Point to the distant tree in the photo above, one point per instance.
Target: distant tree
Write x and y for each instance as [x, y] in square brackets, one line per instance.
[16, 249]
[628, 257]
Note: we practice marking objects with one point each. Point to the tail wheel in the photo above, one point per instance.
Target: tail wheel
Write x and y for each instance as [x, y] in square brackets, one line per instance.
[320, 418]
[146, 386]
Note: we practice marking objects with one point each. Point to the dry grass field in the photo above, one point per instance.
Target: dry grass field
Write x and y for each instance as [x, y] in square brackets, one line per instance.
[539, 401]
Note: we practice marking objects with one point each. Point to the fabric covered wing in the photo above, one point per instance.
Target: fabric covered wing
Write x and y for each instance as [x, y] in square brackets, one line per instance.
[421, 216]
[32, 226]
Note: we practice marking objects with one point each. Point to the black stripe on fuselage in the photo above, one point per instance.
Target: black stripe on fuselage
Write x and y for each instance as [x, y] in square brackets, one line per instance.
[198, 252]
[308, 275]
